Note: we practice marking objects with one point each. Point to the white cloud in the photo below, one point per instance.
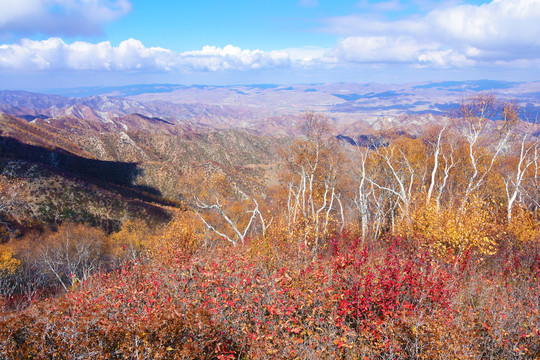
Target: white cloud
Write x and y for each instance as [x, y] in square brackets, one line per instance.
[452, 35]
[59, 17]
[395, 50]
[308, 56]
[131, 55]
[231, 57]
[503, 33]
[379, 49]
[444, 59]
[501, 26]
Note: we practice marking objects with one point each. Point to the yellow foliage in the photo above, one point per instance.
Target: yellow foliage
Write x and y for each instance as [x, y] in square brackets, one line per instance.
[133, 239]
[449, 233]
[183, 234]
[524, 227]
[7, 262]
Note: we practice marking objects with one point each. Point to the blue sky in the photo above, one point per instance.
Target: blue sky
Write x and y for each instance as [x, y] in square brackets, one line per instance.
[47, 44]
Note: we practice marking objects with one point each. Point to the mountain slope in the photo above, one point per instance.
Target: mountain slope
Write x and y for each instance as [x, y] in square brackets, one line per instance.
[159, 150]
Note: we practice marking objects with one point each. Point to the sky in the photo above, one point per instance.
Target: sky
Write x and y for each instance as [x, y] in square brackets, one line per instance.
[53, 44]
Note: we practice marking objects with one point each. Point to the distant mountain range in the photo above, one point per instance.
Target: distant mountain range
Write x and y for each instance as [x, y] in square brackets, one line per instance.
[133, 90]
[266, 108]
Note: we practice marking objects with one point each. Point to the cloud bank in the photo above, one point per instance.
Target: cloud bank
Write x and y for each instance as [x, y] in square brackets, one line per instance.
[503, 33]
[131, 55]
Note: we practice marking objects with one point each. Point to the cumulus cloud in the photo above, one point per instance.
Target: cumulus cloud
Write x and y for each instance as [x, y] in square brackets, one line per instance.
[231, 58]
[500, 26]
[454, 35]
[59, 17]
[306, 56]
[131, 55]
[380, 49]
[396, 50]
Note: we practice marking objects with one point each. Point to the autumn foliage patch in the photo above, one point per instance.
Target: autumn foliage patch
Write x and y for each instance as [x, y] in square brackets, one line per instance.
[351, 302]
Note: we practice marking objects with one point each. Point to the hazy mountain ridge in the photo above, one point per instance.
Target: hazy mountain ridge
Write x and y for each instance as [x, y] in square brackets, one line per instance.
[268, 108]
[107, 109]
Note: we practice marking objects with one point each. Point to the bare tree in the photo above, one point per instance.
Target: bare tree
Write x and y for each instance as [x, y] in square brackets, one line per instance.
[484, 147]
[528, 156]
[240, 232]
[73, 253]
[364, 192]
[435, 169]
[400, 177]
[314, 173]
[12, 195]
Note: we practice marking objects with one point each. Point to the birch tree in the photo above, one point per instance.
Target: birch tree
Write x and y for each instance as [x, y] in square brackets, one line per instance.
[474, 119]
[527, 156]
[234, 222]
[314, 165]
